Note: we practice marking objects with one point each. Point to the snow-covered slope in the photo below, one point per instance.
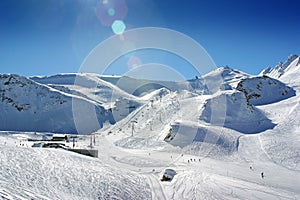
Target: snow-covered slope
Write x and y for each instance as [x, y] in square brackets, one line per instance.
[199, 139]
[34, 173]
[93, 88]
[292, 74]
[282, 143]
[223, 78]
[86, 85]
[264, 90]
[279, 69]
[232, 110]
[29, 106]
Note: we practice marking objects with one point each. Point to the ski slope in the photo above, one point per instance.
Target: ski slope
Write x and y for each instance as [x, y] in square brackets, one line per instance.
[34, 173]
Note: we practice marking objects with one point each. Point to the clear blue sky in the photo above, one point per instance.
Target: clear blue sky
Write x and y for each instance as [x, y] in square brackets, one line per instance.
[44, 37]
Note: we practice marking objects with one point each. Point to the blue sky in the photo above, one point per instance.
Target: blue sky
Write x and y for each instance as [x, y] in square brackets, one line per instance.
[54, 36]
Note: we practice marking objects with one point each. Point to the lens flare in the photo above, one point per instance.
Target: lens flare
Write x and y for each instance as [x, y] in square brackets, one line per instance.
[108, 11]
[118, 27]
[111, 12]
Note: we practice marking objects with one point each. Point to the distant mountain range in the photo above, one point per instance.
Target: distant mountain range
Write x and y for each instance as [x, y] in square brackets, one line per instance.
[84, 103]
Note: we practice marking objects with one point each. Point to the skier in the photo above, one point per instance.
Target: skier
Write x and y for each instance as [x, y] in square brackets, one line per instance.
[262, 175]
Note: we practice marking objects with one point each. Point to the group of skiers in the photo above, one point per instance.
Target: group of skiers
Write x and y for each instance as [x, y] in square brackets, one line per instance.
[191, 160]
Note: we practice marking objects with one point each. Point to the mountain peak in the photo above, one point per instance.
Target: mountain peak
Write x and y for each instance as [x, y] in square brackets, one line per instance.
[283, 65]
[225, 71]
[280, 68]
[225, 68]
[222, 78]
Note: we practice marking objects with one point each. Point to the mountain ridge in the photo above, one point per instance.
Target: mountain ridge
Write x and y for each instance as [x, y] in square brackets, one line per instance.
[112, 101]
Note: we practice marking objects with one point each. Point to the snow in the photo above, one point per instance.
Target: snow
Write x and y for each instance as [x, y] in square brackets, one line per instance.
[264, 90]
[280, 69]
[29, 106]
[217, 139]
[223, 78]
[86, 85]
[58, 174]
[291, 75]
[232, 110]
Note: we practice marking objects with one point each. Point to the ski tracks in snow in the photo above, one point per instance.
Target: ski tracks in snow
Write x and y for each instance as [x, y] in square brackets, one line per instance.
[156, 188]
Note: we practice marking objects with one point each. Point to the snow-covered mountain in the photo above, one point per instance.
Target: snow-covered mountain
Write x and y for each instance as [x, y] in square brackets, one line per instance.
[101, 98]
[291, 75]
[227, 127]
[232, 110]
[279, 69]
[93, 88]
[223, 78]
[89, 86]
[264, 90]
[29, 106]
